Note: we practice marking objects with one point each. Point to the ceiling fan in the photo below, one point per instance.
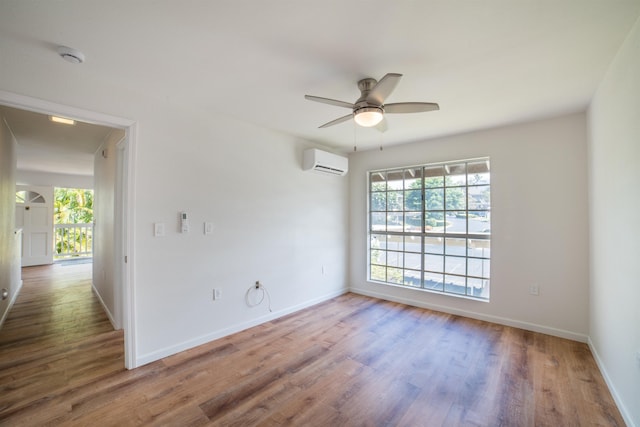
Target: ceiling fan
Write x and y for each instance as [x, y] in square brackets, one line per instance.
[369, 109]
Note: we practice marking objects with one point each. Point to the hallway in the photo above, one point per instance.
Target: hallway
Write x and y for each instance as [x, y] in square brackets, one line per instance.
[57, 336]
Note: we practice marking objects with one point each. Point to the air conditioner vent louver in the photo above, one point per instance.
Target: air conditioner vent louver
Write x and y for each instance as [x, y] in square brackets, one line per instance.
[325, 162]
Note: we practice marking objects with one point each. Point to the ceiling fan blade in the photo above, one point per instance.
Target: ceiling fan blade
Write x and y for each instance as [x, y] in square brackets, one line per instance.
[336, 121]
[383, 88]
[410, 107]
[330, 101]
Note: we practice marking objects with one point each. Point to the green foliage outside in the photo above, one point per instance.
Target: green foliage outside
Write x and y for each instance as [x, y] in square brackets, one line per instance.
[412, 197]
[73, 206]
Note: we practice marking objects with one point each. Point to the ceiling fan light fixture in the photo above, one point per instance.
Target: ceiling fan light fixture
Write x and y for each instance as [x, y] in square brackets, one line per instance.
[368, 116]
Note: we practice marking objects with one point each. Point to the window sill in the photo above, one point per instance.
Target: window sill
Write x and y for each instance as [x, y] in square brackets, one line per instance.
[430, 291]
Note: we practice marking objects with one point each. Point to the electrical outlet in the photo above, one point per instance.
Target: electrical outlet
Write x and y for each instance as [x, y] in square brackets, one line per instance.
[638, 358]
[217, 294]
[534, 290]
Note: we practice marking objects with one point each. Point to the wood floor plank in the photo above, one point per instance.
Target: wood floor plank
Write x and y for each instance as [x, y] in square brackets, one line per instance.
[350, 361]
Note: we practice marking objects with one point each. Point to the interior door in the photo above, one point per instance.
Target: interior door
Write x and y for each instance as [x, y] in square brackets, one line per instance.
[34, 215]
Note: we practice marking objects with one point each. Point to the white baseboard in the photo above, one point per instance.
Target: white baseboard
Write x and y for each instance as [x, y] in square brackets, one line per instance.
[478, 316]
[168, 351]
[616, 397]
[104, 306]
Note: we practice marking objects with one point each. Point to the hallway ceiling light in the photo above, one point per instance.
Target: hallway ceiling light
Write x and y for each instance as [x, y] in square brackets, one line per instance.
[62, 120]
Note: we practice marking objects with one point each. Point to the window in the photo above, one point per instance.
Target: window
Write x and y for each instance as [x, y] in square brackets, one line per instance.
[24, 196]
[429, 227]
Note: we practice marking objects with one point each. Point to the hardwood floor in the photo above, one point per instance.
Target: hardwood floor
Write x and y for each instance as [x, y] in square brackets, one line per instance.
[351, 361]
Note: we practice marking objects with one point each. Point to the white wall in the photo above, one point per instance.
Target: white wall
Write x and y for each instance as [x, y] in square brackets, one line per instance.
[104, 225]
[274, 222]
[8, 257]
[27, 177]
[539, 223]
[614, 160]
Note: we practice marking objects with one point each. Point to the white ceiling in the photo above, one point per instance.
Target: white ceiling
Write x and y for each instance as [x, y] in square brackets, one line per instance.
[487, 63]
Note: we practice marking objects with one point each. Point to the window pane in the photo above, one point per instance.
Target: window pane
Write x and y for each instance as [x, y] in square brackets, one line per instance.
[434, 199]
[413, 200]
[394, 275]
[478, 172]
[456, 175]
[413, 223]
[395, 180]
[395, 243]
[478, 267]
[395, 259]
[413, 178]
[378, 181]
[412, 278]
[378, 273]
[456, 246]
[394, 200]
[479, 222]
[395, 221]
[378, 241]
[412, 261]
[378, 201]
[478, 287]
[434, 221]
[378, 221]
[434, 263]
[456, 222]
[479, 197]
[456, 198]
[433, 176]
[434, 245]
[413, 244]
[479, 248]
[455, 285]
[455, 265]
[434, 281]
[378, 257]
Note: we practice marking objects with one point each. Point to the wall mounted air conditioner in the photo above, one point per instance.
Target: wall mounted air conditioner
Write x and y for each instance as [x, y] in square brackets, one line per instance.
[322, 161]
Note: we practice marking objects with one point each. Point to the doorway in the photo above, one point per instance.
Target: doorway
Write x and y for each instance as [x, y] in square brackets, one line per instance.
[123, 279]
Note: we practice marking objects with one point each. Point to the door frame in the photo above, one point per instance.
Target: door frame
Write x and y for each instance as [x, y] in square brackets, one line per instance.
[124, 239]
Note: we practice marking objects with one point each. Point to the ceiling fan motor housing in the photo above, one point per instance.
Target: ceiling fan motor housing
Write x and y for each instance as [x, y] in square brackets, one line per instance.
[365, 86]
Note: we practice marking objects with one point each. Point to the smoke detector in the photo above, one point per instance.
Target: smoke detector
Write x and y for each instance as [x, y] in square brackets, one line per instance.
[71, 55]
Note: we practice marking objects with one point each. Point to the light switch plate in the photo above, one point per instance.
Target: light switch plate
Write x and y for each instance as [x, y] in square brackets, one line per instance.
[208, 228]
[158, 229]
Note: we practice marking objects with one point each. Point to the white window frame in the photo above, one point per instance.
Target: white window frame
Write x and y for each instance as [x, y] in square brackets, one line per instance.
[403, 249]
